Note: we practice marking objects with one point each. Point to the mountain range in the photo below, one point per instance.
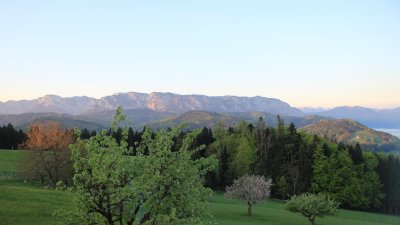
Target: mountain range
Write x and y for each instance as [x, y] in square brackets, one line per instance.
[161, 110]
[377, 118]
[157, 101]
[177, 104]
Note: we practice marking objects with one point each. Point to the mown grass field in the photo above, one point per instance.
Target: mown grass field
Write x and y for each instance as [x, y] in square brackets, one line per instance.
[22, 203]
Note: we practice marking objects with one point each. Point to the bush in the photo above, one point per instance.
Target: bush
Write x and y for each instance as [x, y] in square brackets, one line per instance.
[312, 206]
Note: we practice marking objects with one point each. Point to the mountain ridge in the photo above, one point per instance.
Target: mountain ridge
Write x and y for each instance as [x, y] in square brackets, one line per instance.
[382, 118]
[157, 101]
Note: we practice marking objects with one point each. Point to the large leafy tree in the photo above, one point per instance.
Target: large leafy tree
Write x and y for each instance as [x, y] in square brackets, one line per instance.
[105, 187]
[245, 153]
[174, 183]
[158, 183]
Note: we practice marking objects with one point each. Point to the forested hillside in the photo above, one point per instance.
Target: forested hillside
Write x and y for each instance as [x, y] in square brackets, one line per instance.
[352, 132]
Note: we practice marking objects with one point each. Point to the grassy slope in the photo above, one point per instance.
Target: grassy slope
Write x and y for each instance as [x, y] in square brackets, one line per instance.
[228, 212]
[26, 204]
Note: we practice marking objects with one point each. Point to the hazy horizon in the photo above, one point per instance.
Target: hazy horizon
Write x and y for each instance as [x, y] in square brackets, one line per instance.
[309, 54]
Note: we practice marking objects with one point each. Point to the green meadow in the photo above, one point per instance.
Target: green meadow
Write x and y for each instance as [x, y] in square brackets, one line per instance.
[9, 159]
[23, 203]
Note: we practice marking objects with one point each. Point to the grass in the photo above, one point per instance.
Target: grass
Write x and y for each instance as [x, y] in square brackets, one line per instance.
[9, 159]
[229, 212]
[27, 204]
[22, 203]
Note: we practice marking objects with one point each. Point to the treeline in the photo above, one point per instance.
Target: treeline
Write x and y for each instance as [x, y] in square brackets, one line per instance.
[11, 138]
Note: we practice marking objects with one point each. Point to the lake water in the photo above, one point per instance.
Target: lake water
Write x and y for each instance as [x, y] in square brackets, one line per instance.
[395, 132]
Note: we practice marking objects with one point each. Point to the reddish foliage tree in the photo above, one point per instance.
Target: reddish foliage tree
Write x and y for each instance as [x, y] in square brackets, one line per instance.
[50, 156]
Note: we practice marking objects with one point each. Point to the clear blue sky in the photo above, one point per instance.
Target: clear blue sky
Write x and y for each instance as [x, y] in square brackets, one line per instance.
[308, 53]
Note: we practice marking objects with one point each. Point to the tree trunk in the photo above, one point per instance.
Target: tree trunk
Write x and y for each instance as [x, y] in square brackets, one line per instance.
[249, 212]
[312, 220]
[110, 220]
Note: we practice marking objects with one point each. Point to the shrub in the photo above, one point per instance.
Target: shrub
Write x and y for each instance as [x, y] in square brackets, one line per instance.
[312, 206]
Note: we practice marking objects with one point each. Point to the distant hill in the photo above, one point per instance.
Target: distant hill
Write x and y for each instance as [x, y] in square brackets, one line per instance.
[386, 118]
[197, 119]
[157, 101]
[271, 119]
[91, 120]
[137, 117]
[351, 132]
[23, 121]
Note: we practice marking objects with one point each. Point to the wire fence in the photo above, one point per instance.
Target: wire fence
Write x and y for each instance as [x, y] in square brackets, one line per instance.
[393, 211]
[11, 176]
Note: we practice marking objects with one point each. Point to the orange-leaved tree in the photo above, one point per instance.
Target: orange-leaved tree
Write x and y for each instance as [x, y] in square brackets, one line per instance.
[49, 158]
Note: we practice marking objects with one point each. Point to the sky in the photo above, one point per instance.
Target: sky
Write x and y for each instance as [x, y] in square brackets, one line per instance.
[307, 53]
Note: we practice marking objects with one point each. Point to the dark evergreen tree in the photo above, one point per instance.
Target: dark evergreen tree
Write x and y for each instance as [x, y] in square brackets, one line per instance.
[223, 169]
[298, 162]
[278, 155]
[326, 150]
[205, 137]
[130, 140]
[118, 135]
[356, 154]
[85, 134]
[388, 171]
[93, 133]
[10, 138]
[264, 144]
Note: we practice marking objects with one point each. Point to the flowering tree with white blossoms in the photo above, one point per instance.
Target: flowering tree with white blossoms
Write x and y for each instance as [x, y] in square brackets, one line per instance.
[250, 188]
